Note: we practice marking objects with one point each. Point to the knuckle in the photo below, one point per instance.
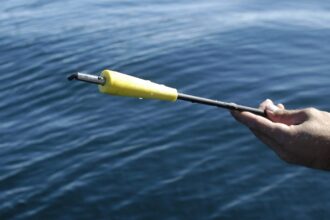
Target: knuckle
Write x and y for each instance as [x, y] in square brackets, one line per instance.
[310, 111]
[263, 104]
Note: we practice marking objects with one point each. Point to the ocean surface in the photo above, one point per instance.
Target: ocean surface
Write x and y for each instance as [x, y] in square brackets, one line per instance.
[69, 152]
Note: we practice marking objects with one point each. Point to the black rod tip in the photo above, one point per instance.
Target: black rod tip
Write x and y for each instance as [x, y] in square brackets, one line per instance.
[73, 76]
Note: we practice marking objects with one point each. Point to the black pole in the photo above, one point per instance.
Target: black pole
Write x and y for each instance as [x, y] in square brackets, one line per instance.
[231, 106]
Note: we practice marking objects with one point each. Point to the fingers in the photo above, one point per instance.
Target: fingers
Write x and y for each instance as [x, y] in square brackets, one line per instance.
[277, 113]
[262, 124]
[288, 117]
[273, 130]
[266, 103]
[269, 105]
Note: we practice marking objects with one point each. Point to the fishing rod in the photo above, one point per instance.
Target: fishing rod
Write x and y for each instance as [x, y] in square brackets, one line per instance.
[119, 84]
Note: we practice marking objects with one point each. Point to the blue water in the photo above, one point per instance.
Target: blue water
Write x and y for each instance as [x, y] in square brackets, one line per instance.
[69, 152]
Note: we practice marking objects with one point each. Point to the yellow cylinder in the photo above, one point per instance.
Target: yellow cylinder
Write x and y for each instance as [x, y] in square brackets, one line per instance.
[124, 85]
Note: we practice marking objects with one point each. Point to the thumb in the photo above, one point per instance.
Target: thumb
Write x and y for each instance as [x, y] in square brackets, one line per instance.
[288, 117]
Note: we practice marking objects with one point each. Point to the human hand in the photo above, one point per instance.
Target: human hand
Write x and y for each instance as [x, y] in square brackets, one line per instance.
[297, 136]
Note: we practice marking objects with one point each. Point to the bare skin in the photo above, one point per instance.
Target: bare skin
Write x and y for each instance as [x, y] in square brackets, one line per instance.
[297, 136]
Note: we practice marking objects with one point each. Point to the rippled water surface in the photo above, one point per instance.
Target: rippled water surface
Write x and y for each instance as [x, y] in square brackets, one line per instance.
[68, 152]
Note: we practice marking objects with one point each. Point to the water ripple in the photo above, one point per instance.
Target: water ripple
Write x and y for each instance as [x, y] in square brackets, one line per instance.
[69, 152]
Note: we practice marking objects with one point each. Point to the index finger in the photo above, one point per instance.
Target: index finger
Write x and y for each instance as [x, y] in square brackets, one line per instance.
[262, 124]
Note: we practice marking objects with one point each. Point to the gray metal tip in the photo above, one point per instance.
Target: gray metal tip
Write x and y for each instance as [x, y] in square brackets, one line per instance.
[99, 80]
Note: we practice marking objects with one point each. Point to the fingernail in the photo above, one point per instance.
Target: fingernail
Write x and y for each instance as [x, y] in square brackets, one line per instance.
[272, 107]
